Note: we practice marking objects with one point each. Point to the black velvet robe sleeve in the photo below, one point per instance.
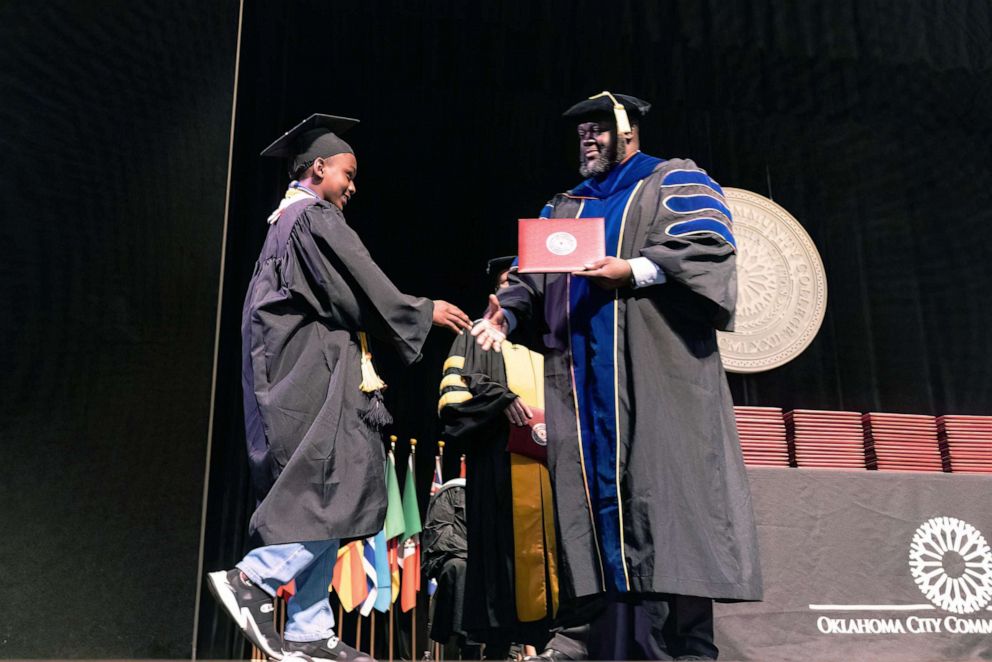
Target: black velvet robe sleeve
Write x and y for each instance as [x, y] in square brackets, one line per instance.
[525, 299]
[473, 389]
[694, 248]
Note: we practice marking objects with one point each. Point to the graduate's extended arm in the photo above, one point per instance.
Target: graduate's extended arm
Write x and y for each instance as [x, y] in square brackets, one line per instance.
[328, 245]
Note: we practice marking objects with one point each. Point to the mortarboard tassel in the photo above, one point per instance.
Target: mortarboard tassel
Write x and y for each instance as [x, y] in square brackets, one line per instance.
[619, 112]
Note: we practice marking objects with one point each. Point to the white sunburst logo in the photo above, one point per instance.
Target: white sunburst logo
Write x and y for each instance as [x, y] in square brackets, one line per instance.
[952, 565]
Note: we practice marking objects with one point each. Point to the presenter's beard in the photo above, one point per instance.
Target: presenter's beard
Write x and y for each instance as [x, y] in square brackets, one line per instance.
[609, 157]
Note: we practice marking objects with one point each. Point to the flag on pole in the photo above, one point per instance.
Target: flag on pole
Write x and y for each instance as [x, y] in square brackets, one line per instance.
[410, 554]
[349, 576]
[394, 521]
[286, 591]
[410, 563]
[438, 479]
[435, 488]
[393, 554]
[384, 581]
[371, 577]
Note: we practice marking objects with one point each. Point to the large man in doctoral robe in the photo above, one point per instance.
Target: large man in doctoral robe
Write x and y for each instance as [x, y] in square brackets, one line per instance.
[311, 398]
[653, 505]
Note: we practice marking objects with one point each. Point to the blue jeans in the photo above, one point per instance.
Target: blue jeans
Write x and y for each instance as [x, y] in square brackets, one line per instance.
[311, 564]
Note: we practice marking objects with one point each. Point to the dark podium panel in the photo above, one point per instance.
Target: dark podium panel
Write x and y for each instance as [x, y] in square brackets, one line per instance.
[867, 565]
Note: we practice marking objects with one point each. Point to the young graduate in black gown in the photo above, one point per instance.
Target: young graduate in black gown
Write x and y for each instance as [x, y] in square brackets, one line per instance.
[312, 405]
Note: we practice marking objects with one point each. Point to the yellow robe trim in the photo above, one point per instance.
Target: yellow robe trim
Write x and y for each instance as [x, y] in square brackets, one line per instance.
[535, 553]
[456, 362]
[452, 380]
[453, 398]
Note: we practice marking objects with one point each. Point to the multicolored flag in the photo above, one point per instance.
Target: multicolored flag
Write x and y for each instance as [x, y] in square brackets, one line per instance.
[349, 576]
[436, 485]
[393, 555]
[384, 596]
[410, 563]
[395, 523]
[410, 554]
[371, 577]
[286, 591]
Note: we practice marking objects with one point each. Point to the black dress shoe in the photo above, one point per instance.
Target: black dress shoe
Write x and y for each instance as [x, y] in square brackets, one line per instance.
[547, 655]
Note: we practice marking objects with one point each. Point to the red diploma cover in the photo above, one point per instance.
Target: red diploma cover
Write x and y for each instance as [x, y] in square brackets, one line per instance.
[550, 245]
[530, 440]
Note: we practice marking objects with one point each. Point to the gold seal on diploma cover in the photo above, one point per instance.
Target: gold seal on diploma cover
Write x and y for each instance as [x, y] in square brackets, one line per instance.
[781, 286]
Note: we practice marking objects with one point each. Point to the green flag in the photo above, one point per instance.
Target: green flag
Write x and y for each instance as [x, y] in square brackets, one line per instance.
[411, 509]
[394, 509]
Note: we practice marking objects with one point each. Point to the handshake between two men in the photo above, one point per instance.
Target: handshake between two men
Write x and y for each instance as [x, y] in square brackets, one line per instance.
[609, 273]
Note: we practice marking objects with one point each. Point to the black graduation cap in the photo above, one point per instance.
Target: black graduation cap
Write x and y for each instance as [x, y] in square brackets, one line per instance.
[498, 265]
[622, 106]
[315, 137]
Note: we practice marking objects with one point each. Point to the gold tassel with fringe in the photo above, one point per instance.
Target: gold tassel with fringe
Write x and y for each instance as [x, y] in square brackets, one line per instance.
[371, 382]
[376, 416]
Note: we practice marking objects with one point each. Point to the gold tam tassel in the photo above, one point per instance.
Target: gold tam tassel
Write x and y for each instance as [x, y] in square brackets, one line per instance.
[619, 113]
[371, 382]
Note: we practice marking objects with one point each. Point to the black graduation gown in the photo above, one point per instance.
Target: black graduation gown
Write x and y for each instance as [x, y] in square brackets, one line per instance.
[480, 425]
[445, 545]
[687, 523]
[317, 468]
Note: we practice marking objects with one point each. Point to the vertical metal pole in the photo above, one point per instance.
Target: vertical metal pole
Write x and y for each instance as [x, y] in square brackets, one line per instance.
[372, 637]
[391, 622]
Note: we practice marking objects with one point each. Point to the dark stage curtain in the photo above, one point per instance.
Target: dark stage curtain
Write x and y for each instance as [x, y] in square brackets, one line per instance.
[114, 135]
[867, 120]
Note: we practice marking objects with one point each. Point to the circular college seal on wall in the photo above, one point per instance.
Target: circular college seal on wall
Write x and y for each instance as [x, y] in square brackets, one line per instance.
[561, 243]
[781, 286]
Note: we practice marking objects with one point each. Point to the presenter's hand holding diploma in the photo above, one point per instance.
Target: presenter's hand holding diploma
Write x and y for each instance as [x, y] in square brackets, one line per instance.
[609, 273]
